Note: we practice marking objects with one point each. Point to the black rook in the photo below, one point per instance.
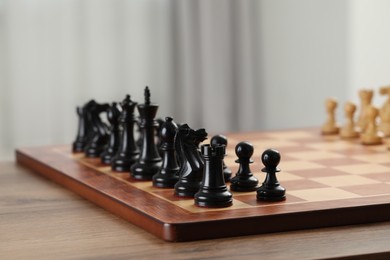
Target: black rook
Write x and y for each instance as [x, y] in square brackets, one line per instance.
[213, 192]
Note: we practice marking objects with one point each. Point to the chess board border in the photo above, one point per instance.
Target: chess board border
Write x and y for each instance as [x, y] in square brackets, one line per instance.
[172, 223]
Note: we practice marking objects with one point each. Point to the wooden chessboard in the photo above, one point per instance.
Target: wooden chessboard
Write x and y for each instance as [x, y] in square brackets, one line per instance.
[329, 182]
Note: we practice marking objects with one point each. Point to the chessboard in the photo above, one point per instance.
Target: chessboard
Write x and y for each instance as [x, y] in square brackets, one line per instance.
[329, 182]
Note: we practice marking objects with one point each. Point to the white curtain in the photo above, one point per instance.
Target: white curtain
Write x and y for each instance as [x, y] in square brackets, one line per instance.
[196, 57]
[224, 65]
[370, 52]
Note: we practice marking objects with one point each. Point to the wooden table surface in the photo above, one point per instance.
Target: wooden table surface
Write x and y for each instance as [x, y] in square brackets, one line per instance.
[41, 220]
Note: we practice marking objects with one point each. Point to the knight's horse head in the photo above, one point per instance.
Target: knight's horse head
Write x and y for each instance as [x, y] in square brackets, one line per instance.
[199, 136]
[187, 140]
[189, 137]
[187, 143]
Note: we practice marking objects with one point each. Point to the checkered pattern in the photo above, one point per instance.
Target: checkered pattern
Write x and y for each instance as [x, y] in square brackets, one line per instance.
[314, 168]
[318, 168]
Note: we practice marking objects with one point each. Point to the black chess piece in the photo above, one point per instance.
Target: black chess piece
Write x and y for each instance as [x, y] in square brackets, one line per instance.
[140, 138]
[127, 153]
[113, 114]
[244, 179]
[158, 141]
[84, 130]
[222, 140]
[167, 175]
[271, 190]
[191, 163]
[100, 133]
[213, 192]
[149, 163]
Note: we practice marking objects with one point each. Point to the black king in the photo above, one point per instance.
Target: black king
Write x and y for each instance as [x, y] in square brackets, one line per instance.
[149, 163]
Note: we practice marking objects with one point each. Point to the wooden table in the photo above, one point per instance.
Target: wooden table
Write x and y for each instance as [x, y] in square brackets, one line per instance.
[41, 220]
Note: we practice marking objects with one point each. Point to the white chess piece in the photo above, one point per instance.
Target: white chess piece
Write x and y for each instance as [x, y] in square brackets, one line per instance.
[330, 127]
[370, 136]
[384, 112]
[349, 129]
[365, 101]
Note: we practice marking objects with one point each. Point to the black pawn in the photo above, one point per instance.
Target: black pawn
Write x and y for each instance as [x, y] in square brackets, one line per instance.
[84, 130]
[100, 135]
[113, 114]
[244, 179]
[127, 153]
[149, 163]
[213, 192]
[167, 176]
[271, 190]
[222, 140]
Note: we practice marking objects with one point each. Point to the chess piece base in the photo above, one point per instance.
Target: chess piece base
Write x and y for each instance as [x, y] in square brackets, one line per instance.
[277, 193]
[106, 159]
[330, 130]
[93, 152]
[217, 198]
[107, 156]
[123, 163]
[371, 140]
[348, 133]
[243, 185]
[145, 171]
[165, 180]
[186, 189]
[78, 146]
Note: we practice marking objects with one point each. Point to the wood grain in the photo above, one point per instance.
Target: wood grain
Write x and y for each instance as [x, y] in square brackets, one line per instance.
[172, 223]
[41, 220]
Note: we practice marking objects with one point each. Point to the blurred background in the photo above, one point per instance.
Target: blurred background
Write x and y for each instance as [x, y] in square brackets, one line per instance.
[224, 65]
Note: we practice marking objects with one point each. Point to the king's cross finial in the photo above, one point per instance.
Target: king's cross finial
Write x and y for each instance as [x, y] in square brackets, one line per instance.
[147, 95]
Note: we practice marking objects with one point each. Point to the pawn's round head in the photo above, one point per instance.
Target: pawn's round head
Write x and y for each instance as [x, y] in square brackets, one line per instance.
[331, 104]
[349, 108]
[218, 140]
[270, 158]
[244, 150]
[168, 129]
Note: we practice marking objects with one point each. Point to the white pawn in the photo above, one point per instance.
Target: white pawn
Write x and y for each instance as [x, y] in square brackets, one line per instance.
[384, 112]
[349, 129]
[365, 101]
[370, 136]
[330, 127]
